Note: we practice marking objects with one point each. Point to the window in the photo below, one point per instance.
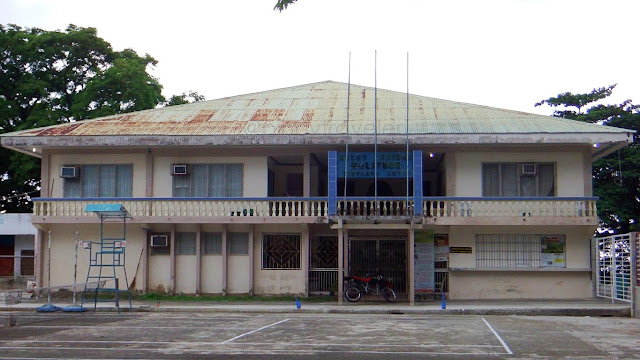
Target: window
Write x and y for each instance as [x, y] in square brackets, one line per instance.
[281, 251]
[518, 180]
[212, 243]
[185, 243]
[101, 181]
[520, 251]
[209, 180]
[238, 243]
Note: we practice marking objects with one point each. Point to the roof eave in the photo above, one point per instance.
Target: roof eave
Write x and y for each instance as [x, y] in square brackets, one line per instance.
[606, 142]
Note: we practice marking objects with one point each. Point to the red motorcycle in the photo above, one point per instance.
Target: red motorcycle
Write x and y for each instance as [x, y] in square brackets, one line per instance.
[370, 285]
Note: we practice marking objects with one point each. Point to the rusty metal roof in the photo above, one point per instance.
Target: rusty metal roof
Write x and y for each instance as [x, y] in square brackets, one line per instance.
[319, 109]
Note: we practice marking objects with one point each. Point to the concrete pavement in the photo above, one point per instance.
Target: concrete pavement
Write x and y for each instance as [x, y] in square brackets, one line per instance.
[589, 307]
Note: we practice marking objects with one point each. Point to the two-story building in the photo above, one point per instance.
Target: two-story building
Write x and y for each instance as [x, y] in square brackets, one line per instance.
[280, 191]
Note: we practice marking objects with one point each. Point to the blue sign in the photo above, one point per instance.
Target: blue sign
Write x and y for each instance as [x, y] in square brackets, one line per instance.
[363, 165]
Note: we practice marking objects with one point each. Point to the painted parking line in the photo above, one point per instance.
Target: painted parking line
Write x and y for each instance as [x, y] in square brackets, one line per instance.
[253, 331]
[504, 344]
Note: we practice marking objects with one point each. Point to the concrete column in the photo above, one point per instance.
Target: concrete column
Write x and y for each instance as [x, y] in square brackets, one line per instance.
[148, 191]
[410, 264]
[172, 260]
[635, 306]
[45, 164]
[198, 258]
[145, 260]
[586, 172]
[305, 255]
[306, 175]
[251, 258]
[224, 259]
[38, 257]
[340, 265]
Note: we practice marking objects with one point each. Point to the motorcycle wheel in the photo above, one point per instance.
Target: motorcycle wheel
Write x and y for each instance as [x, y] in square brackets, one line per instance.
[352, 294]
[389, 294]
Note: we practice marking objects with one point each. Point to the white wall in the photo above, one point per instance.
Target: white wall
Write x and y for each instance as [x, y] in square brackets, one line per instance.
[467, 167]
[572, 282]
[280, 281]
[16, 224]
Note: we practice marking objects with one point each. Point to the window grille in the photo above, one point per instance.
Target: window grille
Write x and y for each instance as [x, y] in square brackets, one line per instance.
[281, 251]
[509, 180]
[212, 243]
[209, 180]
[101, 181]
[238, 243]
[512, 251]
[324, 252]
[507, 251]
[185, 243]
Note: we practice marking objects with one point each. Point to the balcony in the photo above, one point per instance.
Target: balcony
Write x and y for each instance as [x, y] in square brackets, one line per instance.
[435, 210]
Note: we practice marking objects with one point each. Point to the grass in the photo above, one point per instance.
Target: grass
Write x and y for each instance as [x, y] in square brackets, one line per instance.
[230, 298]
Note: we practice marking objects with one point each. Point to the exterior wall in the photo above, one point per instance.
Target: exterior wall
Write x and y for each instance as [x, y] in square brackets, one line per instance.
[56, 185]
[63, 252]
[16, 224]
[186, 274]
[211, 274]
[269, 282]
[467, 168]
[254, 172]
[238, 274]
[573, 282]
[520, 285]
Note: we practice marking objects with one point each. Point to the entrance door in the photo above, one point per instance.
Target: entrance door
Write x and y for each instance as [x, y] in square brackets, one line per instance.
[389, 257]
[323, 264]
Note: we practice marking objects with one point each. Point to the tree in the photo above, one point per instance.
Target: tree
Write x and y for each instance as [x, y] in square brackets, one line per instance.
[616, 177]
[53, 77]
[283, 4]
[184, 98]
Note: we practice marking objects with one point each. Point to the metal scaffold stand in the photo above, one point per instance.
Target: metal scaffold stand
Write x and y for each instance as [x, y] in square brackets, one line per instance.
[107, 258]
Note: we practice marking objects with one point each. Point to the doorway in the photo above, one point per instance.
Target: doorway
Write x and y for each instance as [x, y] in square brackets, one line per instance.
[386, 256]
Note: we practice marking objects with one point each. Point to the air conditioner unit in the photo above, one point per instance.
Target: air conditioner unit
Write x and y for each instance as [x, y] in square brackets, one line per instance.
[69, 172]
[179, 169]
[528, 169]
[159, 240]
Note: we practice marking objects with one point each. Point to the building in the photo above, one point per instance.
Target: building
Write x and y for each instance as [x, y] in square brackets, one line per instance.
[16, 246]
[278, 192]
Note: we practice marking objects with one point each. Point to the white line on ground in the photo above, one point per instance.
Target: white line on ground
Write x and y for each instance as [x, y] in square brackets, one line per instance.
[253, 331]
[504, 344]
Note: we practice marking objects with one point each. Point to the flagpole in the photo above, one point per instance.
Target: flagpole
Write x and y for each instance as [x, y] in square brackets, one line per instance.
[375, 129]
[407, 155]
[346, 151]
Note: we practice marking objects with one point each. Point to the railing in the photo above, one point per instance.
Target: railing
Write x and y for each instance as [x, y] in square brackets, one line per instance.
[381, 206]
[437, 207]
[190, 207]
[509, 207]
[323, 280]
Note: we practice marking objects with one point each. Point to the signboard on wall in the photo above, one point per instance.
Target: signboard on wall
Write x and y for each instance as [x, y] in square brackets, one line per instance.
[553, 253]
[423, 261]
[362, 165]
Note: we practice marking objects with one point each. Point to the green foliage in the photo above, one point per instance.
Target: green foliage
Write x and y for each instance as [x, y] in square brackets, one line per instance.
[283, 4]
[616, 177]
[184, 98]
[52, 77]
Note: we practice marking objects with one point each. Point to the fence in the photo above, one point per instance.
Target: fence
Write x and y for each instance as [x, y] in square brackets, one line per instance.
[615, 267]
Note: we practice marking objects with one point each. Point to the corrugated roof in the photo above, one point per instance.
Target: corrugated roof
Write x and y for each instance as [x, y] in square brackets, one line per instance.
[319, 108]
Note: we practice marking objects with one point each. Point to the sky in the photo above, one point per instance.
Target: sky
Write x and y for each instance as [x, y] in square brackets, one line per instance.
[508, 54]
